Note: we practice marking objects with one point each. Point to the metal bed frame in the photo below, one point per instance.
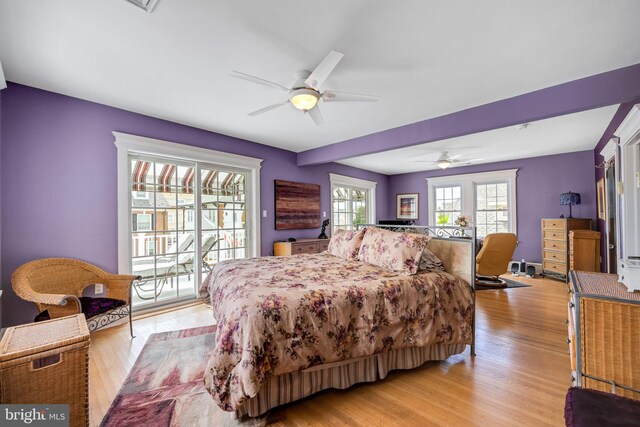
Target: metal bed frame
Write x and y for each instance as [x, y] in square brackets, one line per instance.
[460, 234]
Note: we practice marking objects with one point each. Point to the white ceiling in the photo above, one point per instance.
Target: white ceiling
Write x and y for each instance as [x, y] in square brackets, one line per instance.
[573, 132]
[423, 58]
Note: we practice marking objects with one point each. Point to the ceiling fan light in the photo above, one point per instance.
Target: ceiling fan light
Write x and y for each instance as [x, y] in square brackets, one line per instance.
[443, 164]
[304, 99]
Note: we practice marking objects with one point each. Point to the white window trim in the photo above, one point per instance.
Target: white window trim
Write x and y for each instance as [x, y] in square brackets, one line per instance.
[132, 144]
[360, 184]
[468, 183]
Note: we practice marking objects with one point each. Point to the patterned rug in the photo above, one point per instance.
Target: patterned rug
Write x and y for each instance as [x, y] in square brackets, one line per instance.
[165, 387]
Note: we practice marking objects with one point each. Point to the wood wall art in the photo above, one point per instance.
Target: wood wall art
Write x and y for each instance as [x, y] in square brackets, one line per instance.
[297, 205]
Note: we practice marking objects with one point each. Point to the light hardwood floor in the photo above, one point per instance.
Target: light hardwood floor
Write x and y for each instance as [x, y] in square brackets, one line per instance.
[519, 376]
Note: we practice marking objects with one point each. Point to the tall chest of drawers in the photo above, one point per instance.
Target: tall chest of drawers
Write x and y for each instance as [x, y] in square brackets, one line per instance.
[555, 244]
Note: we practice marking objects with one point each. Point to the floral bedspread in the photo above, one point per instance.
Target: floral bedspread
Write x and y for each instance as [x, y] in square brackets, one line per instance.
[282, 314]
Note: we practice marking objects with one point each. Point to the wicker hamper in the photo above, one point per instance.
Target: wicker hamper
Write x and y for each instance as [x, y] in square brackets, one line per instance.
[604, 334]
[47, 363]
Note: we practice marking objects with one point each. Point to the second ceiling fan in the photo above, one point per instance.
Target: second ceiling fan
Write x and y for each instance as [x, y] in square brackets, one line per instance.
[445, 161]
[305, 92]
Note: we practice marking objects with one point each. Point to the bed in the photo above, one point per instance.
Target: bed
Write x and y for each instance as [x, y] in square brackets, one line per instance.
[289, 327]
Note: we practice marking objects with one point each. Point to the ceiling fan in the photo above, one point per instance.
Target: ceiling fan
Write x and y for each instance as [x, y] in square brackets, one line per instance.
[305, 92]
[445, 161]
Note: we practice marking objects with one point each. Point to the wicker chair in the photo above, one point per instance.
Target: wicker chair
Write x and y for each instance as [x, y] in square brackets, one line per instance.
[55, 286]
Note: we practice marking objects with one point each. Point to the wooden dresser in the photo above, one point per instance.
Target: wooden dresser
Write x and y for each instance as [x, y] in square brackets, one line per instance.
[300, 246]
[584, 250]
[604, 334]
[555, 244]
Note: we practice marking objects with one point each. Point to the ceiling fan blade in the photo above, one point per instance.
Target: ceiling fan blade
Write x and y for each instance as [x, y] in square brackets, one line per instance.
[455, 157]
[269, 108]
[332, 96]
[466, 160]
[316, 115]
[258, 80]
[425, 161]
[322, 71]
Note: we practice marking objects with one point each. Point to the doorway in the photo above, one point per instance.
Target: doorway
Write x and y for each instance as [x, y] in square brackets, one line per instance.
[610, 189]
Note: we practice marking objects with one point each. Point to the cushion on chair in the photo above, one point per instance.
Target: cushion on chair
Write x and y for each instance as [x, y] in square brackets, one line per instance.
[585, 407]
[91, 307]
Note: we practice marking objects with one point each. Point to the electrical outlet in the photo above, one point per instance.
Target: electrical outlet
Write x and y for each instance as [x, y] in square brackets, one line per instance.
[99, 288]
[264, 214]
[324, 214]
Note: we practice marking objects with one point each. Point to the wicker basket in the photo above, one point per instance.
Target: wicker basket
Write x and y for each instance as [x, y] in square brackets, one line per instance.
[611, 334]
[47, 363]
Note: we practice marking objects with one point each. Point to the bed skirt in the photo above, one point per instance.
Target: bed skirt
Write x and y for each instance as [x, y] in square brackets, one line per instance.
[293, 386]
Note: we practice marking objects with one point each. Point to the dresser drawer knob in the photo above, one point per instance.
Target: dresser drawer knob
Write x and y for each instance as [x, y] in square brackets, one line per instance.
[571, 304]
[573, 379]
[568, 340]
[566, 321]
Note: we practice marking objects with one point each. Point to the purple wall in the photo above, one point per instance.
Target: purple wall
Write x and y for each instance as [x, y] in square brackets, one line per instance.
[58, 180]
[539, 183]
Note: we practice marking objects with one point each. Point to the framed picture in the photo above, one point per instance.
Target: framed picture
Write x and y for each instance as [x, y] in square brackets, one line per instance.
[602, 208]
[297, 205]
[407, 206]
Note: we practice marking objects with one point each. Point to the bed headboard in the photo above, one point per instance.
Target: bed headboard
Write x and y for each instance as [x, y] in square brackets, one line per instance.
[455, 246]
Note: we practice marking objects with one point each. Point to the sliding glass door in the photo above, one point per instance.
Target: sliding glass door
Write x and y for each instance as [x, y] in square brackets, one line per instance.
[185, 217]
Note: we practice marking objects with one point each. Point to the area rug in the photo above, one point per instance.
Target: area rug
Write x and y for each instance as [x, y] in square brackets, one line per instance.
[165, 386]
[511, 283]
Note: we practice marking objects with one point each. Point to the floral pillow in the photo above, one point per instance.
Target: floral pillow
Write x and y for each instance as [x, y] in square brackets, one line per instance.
[345, 243]
[429, 262]
[399, 252]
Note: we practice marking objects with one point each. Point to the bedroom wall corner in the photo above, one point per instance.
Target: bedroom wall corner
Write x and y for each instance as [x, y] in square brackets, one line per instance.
[59, 186]
[539, 182]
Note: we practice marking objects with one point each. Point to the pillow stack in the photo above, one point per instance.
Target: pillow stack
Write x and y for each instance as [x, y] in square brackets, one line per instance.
[399, 252]
[404, 253]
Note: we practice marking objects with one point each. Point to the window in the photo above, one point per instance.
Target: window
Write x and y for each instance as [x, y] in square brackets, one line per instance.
[352, 202]
[142, 222]
[140, 195]
[492, 208]
[448, 205]
[151, 247]
[182, 210]
[489, 198]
